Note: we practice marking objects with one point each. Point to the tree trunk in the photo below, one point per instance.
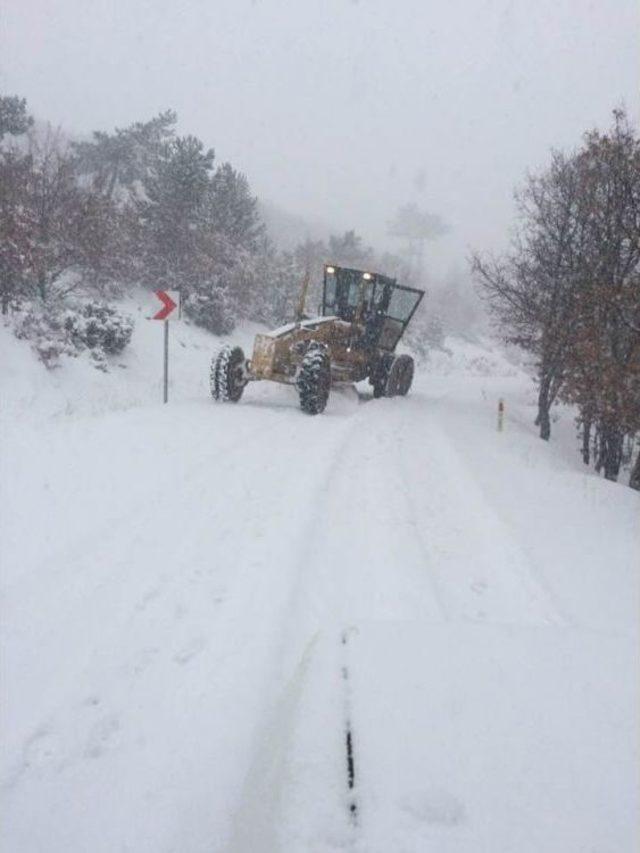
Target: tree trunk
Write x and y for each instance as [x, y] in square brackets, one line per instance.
[597, 448]
[611, 441]
[113, 180]
[634, 479]
[544, 405]
[7, 290]
[586, 440]
[42, 285]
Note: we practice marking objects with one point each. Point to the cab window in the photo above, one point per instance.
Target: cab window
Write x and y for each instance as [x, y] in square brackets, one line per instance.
[330, 291]
[402, 303]
[353, 297]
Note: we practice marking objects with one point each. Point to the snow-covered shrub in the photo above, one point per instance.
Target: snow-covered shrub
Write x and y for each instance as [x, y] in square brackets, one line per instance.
[212, 309]
[98, 326]
[61, 329]
[45, 332]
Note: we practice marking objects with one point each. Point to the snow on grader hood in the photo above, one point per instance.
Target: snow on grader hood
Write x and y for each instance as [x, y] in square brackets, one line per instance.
[364, 315]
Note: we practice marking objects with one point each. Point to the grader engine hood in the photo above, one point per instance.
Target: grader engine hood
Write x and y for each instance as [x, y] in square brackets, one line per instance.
[263, 358]
[275, 355]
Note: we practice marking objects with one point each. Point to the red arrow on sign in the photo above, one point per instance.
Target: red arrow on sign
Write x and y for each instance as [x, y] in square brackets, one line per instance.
[168, 305]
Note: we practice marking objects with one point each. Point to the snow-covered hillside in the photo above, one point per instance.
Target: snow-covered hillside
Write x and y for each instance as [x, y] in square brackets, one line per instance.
[239, 628]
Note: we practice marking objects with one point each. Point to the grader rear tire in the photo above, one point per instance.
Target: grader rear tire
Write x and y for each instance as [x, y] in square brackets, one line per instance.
[314, 379]
[400, 376]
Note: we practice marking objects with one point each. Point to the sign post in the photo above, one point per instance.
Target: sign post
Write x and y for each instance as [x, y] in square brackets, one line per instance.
[166, 361]
[170, 300]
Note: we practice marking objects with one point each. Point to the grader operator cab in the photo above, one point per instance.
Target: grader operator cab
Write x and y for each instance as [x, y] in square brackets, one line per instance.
[363, 316]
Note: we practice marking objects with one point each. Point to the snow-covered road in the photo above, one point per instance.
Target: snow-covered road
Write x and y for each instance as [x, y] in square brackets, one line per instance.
[200, 601]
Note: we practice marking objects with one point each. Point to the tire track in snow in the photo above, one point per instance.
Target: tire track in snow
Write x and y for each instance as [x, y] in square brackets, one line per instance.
[401, 473]
[373, 469]
[483, 571]
[361, 555]
[343, 574]
[256, 819]
[350, 569]
[137, 580]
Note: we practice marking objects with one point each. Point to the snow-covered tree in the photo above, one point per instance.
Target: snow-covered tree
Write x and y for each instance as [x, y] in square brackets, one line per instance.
[14, 118]
[569, 290]
[603, 367]
[416, 227]
[348, 250]
[17, 231]
[232, 210]
[16, 224]
[171, 212]
[49, 200]
[116, 162]
[531, 291]
[276, 286]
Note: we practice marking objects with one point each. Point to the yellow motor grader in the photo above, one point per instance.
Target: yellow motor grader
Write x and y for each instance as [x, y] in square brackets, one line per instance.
[364, 315]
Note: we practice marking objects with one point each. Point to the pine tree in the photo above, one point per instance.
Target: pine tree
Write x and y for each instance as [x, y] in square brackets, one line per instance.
[14, 119]
[17, 245]
[417, 227]
[348, 250]
[116, 162]
[16, 225]
[232, 210]
[172, 215]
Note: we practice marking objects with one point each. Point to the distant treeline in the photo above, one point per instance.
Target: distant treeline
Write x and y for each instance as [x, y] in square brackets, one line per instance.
[144, 206]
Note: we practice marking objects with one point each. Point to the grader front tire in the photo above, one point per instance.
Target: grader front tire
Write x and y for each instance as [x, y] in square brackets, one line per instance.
[314, 379]
[228, 374]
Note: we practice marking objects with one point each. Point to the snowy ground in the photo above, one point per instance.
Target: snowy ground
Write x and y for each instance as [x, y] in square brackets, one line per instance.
[199, 601]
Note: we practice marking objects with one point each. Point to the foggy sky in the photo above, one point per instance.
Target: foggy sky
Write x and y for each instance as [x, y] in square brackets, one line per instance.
[342, 109]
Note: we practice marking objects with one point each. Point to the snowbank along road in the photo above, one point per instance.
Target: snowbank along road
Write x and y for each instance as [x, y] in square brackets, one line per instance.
[386, 628]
